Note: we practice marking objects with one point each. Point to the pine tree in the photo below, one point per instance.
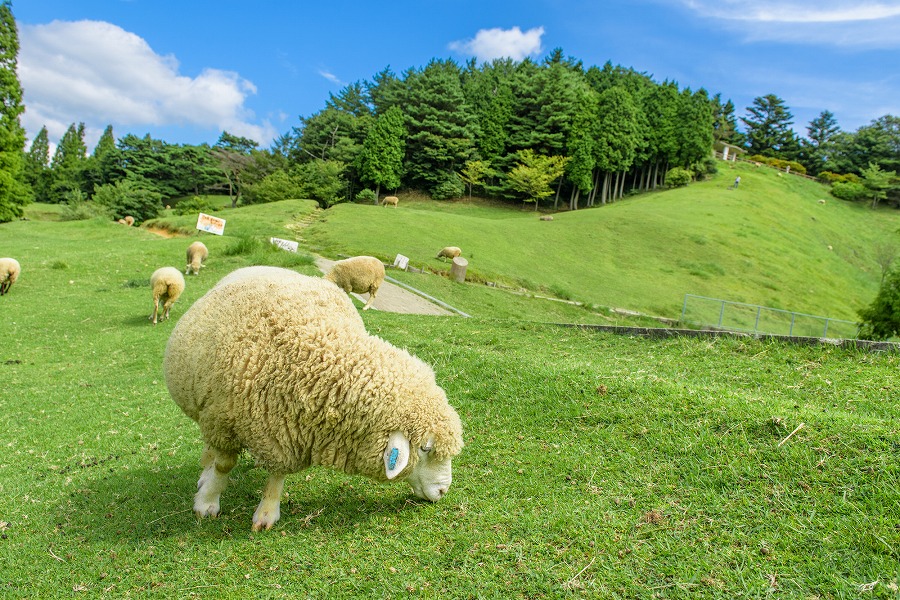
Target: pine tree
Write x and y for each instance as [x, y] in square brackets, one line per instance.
[769, 130]
[14, 194]
[37, 172]
[68, 166]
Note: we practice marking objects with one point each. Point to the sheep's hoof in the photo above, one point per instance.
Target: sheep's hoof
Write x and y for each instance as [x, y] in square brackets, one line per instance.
[266, 516]
[206, 509]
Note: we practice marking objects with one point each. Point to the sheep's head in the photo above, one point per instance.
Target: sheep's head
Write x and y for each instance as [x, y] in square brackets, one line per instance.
[430, 477]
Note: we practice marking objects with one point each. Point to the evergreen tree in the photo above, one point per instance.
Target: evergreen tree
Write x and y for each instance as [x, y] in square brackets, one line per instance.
[695, 135]
[102, 166]
[37, 172]
[819, 143]
[68, 166]
[441, 126]
[725, 122]
[14, 194]
[381, 159]
[615, 138]
[768, 125]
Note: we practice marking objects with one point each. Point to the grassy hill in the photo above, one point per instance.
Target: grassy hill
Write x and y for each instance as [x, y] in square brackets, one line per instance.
[595, 465]
[769, 242]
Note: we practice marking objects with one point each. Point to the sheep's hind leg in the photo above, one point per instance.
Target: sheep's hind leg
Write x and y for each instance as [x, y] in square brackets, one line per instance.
[216, 466]
[269, 510]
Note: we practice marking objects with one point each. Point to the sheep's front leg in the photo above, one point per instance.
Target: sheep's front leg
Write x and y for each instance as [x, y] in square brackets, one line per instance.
[216, 466]
[269, 510]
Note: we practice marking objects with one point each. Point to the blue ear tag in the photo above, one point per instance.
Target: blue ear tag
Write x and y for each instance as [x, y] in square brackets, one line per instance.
[392, 459]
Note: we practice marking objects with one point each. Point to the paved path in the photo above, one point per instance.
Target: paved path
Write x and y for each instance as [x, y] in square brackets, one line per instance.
[393, 298]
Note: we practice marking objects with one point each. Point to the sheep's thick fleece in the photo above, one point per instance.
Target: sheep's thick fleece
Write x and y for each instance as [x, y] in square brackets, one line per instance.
[281, 364]
[359, 274]
[9, 273]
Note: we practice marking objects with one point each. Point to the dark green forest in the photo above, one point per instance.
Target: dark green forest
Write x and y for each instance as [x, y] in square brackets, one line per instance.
[555, 133]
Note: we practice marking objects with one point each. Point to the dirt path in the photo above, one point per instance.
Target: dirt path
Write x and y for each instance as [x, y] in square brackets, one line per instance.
[393, 298]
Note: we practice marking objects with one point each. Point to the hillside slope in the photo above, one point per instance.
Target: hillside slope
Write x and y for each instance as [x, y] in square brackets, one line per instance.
[769, 242]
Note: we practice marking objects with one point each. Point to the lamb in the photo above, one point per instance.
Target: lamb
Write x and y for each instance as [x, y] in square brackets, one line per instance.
[359, 274]
[167, 284]
[196, 254]
[281, 364]
[129, 220]
[450, 252]
[394, 200]
[9, 273]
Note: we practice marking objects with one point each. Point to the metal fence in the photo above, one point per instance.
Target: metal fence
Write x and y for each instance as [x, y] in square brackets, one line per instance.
[738, 316]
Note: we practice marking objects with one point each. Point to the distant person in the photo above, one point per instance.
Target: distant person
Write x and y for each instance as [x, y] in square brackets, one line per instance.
[737, 182]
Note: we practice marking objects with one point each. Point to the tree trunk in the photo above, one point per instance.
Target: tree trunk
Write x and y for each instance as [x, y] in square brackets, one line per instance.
[605, 187]
[575, 199]
[622, 185]
[377, 192]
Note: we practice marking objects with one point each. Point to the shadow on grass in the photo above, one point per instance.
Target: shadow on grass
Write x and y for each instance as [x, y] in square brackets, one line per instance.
[147, 504]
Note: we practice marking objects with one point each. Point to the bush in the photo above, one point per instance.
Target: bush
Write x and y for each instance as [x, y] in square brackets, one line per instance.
[128, 197]
[194, 205]
[678, 177]
[707, 167]
[881, 319]
[81, 211]
[853, 192]
[451, 188]
[323, 180]
[366, 196]
[829, 177]
[279, 185]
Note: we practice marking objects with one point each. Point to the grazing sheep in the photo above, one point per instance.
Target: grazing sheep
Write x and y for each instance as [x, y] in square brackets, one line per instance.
[821, 200]
[359, 274]
[121, 222]
[9, 273]
[129, 220]
[196, 254]
[394, 200]
[547, 218]
[167, 284]
[450, 252]
[280, 364]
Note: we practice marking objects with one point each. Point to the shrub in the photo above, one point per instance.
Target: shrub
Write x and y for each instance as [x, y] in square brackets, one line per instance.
[829, 177]
[366, 196]
[881, 319]
[323, 180]
[707, 167]
[128, 197]
[194, 205]
[847, 190]
[81, 211]
[451, 188]
[678, 177]
[279, 185]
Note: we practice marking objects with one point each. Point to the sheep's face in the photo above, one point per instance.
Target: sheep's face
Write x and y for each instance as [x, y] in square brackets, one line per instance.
[430, 477]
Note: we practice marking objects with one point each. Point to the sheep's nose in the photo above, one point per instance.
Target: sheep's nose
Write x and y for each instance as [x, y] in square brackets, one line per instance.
[441, 491]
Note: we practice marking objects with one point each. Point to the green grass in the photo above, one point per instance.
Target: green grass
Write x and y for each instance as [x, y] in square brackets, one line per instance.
[768, 243]
[595, 465]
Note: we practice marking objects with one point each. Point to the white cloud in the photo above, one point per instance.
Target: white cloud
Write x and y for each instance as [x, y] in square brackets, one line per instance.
[98, 73]
[489, 44]
[859, 23]
[330, 76]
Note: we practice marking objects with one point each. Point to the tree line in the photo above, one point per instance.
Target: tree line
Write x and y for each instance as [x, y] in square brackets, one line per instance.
[551, 132]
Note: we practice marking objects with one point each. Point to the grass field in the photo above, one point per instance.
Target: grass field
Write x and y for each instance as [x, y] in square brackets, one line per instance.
[769, 243]
[595, 465]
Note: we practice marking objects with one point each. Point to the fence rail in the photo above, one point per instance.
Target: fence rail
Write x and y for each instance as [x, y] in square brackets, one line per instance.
[739, 316]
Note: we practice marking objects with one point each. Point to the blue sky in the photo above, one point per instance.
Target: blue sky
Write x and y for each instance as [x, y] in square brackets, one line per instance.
[186, 70]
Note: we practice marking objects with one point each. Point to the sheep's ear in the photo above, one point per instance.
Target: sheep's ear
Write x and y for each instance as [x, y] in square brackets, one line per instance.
[396, 455]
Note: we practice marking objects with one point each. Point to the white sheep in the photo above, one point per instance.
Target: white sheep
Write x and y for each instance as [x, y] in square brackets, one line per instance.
[129, 220]
[196, 254]
[393, 200]
[359, 274]
[280, 364]
[450, 252]
[9, 273]
[167, 284]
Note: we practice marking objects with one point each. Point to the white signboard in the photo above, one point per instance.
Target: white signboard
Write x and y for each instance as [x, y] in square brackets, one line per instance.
[285, 244]
[211, 224]
[401, 262]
